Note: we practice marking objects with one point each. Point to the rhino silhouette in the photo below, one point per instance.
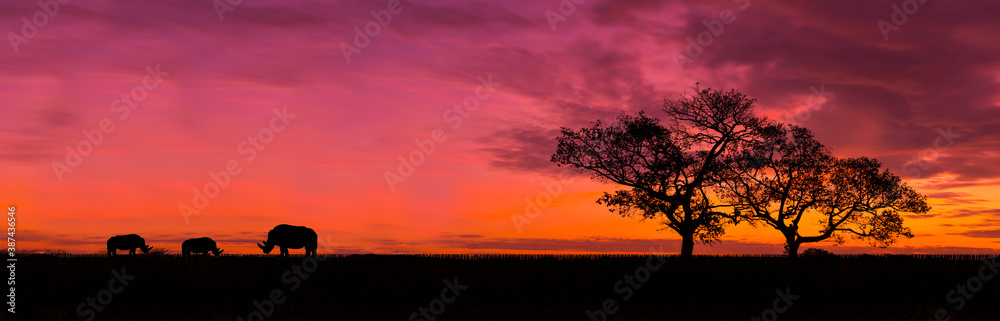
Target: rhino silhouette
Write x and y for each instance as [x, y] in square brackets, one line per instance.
[286, 237]
[201, 245]
[128, 242]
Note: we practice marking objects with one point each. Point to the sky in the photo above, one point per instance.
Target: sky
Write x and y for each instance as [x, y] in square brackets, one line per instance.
[425, 126]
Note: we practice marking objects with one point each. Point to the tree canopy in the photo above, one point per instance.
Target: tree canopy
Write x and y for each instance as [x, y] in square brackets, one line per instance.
[789, 176]
[668, 169]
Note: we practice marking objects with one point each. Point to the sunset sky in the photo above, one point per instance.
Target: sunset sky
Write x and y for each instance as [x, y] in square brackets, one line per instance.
[919, 91]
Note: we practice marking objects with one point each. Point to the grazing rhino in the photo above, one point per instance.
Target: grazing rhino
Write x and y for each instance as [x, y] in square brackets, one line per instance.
[286, 237]
[201, 245]
[127, 242]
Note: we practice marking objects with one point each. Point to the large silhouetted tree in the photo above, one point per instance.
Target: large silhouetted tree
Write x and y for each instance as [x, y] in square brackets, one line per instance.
[668, 170]
[789, 176]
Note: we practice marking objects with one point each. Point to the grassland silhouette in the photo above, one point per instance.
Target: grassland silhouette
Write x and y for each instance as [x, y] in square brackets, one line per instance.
[710, 164]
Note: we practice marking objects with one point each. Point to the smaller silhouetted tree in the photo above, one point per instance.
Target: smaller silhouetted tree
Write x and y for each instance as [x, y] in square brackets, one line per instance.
[815, 252]
[789, 176]
[159, 251]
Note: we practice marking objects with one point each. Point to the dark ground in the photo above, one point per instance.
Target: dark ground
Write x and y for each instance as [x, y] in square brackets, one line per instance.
[392, 287]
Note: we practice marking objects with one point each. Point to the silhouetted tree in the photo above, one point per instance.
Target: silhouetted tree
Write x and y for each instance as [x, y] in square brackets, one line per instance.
[789, 176]
[667, 169]
[815, 252]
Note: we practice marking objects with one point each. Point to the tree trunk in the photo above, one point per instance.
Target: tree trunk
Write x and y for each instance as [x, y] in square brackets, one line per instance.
[792, 247]
[687, 245]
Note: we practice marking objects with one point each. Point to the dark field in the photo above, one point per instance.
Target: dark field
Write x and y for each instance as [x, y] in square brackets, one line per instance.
[392, 287]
